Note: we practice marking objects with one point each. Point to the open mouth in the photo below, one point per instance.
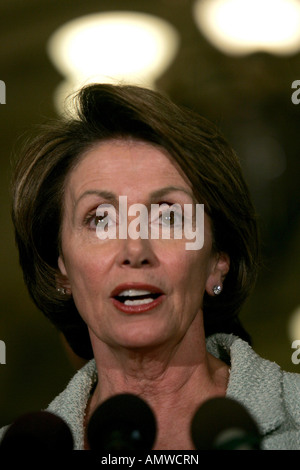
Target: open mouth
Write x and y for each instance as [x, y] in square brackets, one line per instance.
[136, 299]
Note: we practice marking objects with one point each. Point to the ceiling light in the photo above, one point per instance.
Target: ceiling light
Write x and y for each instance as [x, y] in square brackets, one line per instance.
[239, 27]
[112, 47]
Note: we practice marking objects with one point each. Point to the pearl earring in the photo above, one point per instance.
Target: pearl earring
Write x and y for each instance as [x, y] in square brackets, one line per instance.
[61, 290]
[217, 290]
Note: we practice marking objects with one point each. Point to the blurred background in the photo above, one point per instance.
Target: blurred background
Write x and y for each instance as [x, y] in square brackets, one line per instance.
[243, 83]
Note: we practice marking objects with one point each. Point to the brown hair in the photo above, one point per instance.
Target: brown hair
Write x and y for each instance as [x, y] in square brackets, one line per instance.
[109, 111]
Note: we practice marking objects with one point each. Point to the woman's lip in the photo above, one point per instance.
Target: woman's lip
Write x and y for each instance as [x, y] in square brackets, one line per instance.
[134, 309]
[137, 286]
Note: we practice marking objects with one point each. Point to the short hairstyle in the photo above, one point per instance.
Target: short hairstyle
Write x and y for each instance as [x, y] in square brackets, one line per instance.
[106, 112]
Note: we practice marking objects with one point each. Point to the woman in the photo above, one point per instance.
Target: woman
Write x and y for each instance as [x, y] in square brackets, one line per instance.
[159, 320]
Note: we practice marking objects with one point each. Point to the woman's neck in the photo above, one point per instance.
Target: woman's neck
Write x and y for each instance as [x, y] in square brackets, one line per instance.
[174, 383]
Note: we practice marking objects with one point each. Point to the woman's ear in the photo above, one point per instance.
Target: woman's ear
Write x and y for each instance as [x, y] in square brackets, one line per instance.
[61, 265]
[62, 280]
[220, 268]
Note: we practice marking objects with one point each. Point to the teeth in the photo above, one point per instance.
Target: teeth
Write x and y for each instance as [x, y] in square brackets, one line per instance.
[138, 297]
[138, 302]
[133, 293]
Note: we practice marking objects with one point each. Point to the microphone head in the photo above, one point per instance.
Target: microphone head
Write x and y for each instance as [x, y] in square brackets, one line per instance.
[39, 430]
[123, 422]
[223, 423]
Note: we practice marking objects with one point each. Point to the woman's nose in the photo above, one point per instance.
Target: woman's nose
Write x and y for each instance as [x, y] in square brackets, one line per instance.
[137, 253]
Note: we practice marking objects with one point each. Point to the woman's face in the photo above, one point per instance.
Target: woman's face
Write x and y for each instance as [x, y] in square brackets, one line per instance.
[132, 293]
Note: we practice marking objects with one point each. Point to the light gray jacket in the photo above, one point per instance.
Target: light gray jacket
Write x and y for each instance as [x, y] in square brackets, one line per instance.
[271, 395]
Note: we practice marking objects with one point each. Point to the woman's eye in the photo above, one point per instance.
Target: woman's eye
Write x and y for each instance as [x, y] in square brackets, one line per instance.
[94, 221]
[101, 221]
[103, 218]
[170, 218]
[169, 215]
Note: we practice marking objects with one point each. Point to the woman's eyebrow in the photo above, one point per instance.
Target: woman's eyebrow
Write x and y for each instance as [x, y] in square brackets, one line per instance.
[109, 196]
[158, 194]
[154, 196]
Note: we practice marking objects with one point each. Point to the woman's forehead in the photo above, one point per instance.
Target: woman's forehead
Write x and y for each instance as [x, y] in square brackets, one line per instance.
[126, 165]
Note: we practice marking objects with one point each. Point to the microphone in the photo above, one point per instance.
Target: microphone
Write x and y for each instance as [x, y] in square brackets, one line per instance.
[224, 424]
[38, 430]
[123, 422]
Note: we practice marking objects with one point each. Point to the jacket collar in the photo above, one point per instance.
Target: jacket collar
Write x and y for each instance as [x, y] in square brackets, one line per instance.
[254, 382]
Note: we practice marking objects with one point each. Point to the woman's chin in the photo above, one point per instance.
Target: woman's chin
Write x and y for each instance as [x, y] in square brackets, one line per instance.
[143, 341]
